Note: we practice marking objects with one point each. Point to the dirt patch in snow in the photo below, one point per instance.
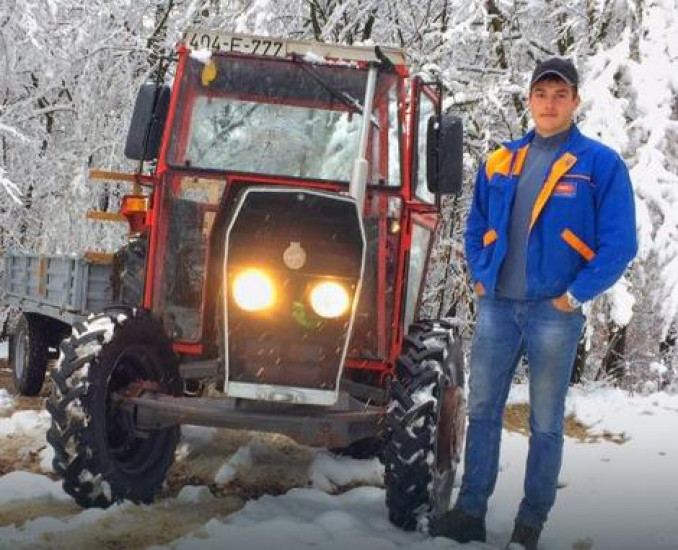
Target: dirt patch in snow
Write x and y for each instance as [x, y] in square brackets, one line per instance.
[128, 527]
[21, 452]
[517, 419]
[11, 514]
[274, 465]
[585, 544]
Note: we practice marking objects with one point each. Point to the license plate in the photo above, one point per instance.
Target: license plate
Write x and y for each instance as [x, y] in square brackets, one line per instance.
[235, 43]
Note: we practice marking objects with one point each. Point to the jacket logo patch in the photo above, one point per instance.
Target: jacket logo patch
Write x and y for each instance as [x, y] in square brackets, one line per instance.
[565, 189]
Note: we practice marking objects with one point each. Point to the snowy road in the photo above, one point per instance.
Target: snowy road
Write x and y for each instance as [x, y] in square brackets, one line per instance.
[236, 491]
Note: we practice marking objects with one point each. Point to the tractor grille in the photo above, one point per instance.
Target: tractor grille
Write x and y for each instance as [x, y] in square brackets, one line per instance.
[289, 343]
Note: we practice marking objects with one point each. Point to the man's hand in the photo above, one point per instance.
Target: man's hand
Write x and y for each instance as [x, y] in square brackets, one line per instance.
[479, 289]
[561, 303]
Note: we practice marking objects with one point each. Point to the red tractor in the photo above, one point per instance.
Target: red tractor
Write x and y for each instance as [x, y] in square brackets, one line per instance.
[277, 256]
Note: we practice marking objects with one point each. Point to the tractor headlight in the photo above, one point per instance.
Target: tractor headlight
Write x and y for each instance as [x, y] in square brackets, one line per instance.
[329, 299]
[253, 290]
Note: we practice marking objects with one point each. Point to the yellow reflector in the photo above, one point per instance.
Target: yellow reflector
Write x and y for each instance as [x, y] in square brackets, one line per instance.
[253, 290]
[209, 73]
[329, 299]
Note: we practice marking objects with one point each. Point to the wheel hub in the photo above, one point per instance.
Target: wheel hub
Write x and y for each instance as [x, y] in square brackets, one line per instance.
[131, 448]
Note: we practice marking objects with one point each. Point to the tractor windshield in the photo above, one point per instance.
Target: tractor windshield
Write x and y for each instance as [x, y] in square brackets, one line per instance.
[282, 118]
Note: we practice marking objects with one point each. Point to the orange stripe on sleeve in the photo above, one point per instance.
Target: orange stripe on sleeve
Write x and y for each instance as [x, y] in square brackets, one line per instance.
[579, 245]
[489, 237]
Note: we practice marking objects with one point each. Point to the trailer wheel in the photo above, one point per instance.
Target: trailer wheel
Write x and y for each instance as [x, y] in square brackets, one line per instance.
[98, 451]
[28, 351]
[425, 423]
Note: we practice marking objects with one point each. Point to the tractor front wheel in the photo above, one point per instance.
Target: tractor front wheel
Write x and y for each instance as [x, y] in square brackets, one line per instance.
[98, 451]
[425, 423]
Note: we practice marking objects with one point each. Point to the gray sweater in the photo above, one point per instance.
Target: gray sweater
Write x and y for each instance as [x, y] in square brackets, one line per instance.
[541, 154]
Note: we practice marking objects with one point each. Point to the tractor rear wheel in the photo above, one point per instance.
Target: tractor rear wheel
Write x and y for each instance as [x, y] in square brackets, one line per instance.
[425, 424]
[98, 451]
[28, 354]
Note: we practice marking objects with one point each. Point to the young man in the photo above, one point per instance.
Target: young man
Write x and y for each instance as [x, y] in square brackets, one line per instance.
[551, 226]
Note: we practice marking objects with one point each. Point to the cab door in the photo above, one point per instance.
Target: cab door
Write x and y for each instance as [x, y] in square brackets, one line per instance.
[421, 204]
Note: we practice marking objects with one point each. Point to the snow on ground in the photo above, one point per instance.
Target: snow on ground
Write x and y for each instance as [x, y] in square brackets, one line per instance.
[25, 423]
[229, 469]
[329, 471]
[6, 400]
[309, 518]
[614, 495]
[22, 437]
[618, 496]
[16, 486]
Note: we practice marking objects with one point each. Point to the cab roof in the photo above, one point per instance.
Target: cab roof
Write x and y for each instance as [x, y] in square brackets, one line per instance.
[267, 46]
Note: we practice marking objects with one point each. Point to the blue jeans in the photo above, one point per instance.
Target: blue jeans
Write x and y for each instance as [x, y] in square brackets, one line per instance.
[506, 329]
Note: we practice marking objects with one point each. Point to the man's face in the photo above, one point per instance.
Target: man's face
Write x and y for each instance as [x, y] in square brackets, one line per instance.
[552, 105]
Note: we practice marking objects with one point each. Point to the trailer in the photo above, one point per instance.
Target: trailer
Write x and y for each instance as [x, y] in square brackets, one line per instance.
[52, 292]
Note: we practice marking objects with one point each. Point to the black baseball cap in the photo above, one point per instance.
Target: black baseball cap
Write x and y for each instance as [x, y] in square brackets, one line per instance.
[557, 66]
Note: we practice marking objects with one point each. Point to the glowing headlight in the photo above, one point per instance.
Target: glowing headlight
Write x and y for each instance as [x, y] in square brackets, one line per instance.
[329, 299]
[253, 290]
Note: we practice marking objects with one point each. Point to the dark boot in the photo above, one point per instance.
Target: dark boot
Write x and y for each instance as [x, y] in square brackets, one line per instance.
[459, 526]
[524, 536]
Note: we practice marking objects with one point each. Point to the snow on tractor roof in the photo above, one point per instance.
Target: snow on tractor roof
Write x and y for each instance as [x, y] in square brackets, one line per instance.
[200, 39]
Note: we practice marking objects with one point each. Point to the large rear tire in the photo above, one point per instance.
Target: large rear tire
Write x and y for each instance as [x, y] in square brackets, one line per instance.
[28, 354]
[425, 425]
[98, 451]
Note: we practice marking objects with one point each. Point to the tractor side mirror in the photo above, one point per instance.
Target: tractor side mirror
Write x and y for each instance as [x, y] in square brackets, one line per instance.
[444, 154]
[148, 121]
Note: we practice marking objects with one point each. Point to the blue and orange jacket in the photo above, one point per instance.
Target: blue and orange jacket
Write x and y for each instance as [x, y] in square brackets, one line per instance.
[582, 231]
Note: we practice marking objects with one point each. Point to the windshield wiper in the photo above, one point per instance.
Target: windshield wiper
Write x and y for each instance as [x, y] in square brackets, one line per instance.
[347, 99]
